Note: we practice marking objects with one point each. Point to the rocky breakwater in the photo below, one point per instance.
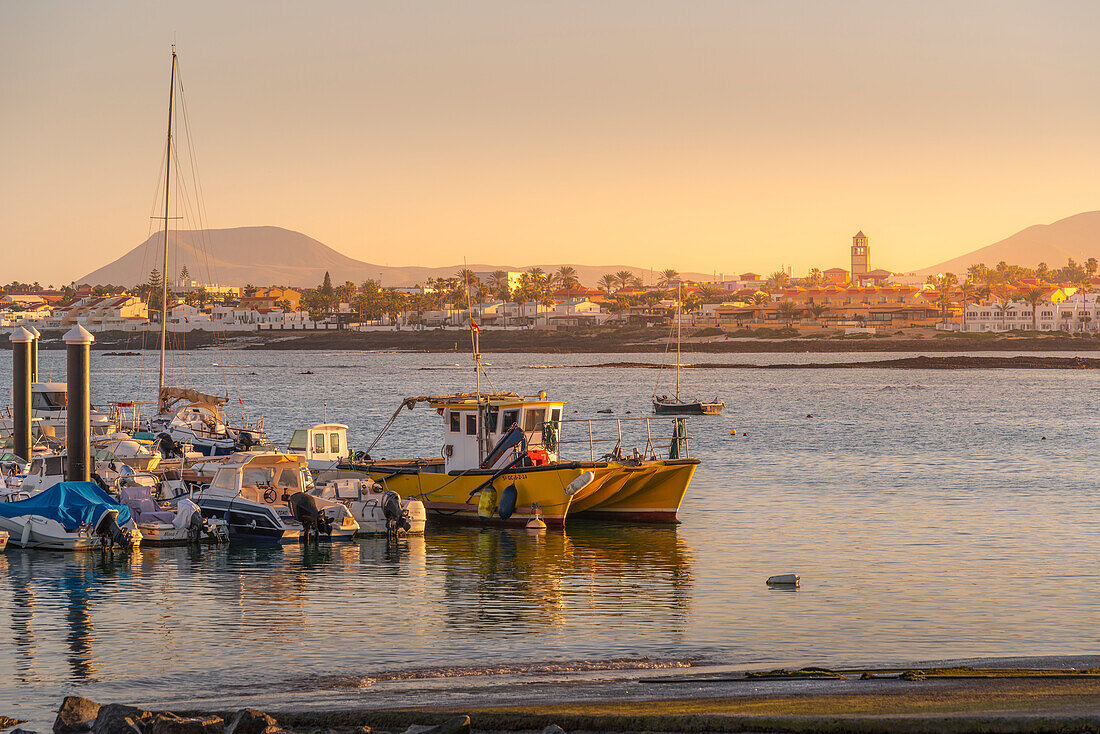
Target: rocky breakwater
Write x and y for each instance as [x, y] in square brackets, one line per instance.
[78, 715]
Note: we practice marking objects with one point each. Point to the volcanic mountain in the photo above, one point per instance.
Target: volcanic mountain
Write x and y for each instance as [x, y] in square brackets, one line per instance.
[275, 256]
[1076, 237]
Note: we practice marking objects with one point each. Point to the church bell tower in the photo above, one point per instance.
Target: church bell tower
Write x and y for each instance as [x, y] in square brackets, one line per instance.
[861, 257]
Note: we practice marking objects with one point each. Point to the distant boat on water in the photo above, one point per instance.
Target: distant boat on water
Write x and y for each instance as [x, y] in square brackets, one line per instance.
[675, 404]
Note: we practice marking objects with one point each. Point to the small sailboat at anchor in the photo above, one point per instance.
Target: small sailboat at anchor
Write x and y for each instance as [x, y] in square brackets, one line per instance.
[675, 404]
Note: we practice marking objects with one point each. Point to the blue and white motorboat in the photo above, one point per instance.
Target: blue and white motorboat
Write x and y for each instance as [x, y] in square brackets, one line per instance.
[263, 497]
[69, 516]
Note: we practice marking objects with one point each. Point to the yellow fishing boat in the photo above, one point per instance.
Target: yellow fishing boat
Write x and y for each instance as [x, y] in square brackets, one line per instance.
[501, 463]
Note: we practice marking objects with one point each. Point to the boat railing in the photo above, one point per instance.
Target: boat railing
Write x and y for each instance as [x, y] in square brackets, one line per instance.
[605, 437]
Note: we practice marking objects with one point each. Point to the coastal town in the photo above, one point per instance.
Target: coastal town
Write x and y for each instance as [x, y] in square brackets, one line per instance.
[852, 301]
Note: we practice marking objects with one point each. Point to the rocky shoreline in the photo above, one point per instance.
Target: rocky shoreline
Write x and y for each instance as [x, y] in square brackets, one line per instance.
[950, 699]
[586, 341]
[922, 362]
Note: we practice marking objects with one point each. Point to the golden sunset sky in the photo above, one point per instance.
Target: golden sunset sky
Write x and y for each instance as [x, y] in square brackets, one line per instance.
[704, 136]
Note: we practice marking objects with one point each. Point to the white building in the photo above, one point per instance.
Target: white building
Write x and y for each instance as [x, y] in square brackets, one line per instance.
[1078, 313]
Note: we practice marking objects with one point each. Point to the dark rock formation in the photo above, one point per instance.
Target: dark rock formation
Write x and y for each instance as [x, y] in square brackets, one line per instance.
[77, 714]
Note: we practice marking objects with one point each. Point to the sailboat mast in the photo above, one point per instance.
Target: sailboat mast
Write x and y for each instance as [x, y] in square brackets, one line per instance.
[167, 191]
[678, 297]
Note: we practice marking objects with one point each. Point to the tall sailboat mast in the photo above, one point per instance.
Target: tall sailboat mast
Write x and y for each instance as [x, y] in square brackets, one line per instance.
[167, 191]
[678, 309]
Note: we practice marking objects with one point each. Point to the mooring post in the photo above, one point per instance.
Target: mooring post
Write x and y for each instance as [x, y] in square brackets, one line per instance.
[21, 392]
[78, 415]
[34, 351]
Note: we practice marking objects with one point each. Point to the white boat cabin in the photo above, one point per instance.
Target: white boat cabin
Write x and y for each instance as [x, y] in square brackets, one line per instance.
[471, 429]
[262, 477]
[325, 443]
[49, 403]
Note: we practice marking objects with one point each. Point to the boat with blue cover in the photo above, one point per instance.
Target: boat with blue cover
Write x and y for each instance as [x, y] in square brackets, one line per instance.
[69, 516]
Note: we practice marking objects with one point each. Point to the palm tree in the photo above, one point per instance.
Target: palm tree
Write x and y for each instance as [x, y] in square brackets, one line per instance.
[1091, 265]
[1033, 297]
[607, 282]
[567, 277]
[779, 280]
[668, 277]
[1003, 303]
[943, 285]
[816, 277]
[817, 310]
[789, 311]
[467, 280]
[760, 298]
[710, 293]
[624, 278]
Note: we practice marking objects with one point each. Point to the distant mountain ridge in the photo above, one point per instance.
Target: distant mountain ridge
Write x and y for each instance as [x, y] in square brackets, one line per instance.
[1077, 236]
[266, 256]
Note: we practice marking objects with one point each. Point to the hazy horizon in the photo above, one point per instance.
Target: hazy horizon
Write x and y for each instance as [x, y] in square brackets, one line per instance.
[704, 136]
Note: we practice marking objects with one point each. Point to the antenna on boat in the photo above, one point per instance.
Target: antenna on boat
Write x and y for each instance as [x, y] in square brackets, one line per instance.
[475, 339]
[167, 191]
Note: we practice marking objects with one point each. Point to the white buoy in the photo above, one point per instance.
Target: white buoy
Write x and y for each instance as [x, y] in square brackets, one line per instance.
[536, 522]
[786, 579]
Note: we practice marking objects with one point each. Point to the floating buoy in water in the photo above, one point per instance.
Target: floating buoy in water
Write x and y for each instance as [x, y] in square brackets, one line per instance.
[809, 415]
[1044, 438]
[733, 431]
[786, 579]
[536, 522]
[605, 410]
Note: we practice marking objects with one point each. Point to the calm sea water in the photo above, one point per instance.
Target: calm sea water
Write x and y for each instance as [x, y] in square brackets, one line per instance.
[931, 514]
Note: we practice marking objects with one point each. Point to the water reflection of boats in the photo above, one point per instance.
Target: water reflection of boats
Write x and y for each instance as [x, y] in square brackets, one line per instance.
[511, 580]
[47, 585]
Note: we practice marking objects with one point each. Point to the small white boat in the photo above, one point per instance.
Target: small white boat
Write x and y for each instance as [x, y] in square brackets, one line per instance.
[163, 524]
[373, 507]
[49, 404]
[12, 471]
[69, 516]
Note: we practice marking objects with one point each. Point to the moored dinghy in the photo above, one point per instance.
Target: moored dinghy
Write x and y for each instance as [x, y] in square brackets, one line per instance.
[371, 507]
[69, 516]
[162, 524]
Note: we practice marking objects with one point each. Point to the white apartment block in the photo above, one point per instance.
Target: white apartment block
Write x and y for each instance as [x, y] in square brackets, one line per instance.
[1078, 313]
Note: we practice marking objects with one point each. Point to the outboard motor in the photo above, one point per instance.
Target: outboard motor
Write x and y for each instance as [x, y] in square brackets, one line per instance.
[305, 510]
[169, 449]
[397, 518]
[111, 533]
[195, 528]
[102, 484]
[245, 441]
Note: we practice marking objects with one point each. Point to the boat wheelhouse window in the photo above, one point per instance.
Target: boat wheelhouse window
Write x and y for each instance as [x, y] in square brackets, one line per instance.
[257, 475]
[318, 443]
[48, 400]
[555, 415]
[533, 418]
[491, 420]
[456, 421]
[54, 465]
[226, 479]
[299, 441]
[511, 418]
[334, 442]
[471, 425]
[36, 466]
[289, 478]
